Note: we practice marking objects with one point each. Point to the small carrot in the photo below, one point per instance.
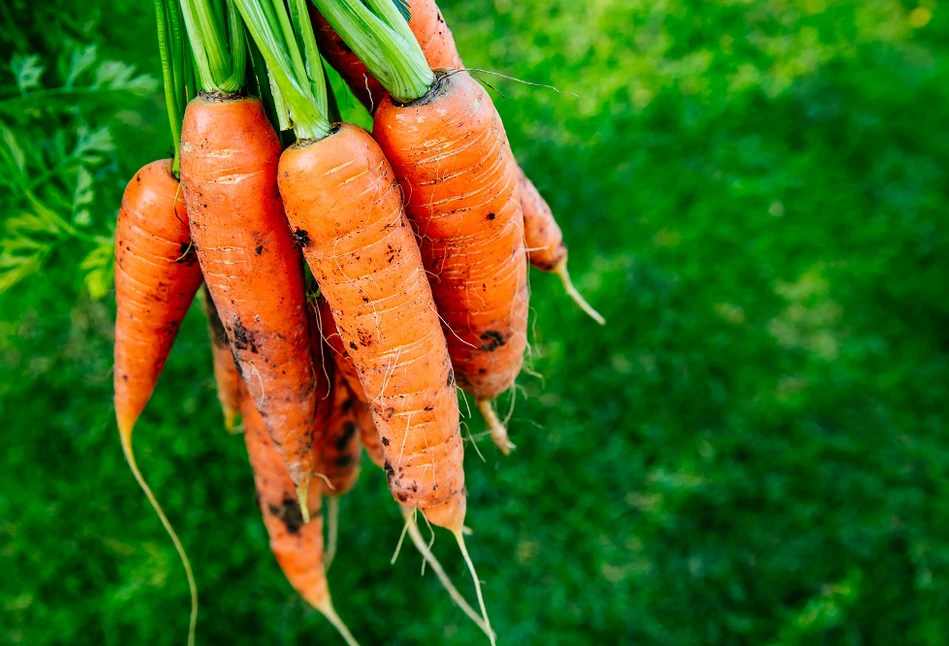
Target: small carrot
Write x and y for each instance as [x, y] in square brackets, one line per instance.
[226, 376]
[339, 454]
[544, 240]
[156, 278]
[297, 545]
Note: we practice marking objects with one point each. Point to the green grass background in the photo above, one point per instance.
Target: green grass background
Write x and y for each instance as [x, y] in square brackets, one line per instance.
[753, 451]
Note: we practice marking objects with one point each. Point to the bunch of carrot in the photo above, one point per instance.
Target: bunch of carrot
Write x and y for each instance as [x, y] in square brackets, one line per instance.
[351, 280]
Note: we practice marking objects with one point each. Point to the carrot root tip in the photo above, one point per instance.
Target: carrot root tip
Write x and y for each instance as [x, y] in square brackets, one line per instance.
[561, 270]
[125, 434]
[459, 536]
[332, 532]
[426, 551]
[232, 424]
[330, 613]
[303, 490]
[495, 426]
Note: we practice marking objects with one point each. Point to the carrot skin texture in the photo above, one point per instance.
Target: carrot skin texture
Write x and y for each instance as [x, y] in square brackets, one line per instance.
[452, 158]
[226, 376]
[297, 546]
[156, 278]
[368, 435]
[342, 192]
[252, 269]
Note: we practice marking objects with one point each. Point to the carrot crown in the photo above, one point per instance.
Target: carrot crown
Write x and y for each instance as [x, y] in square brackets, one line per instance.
[217, 42]
[380, 36]
[288, 45]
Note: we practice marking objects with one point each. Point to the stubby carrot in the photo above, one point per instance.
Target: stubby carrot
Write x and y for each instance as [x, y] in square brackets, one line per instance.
[251, 266]
[156, 278]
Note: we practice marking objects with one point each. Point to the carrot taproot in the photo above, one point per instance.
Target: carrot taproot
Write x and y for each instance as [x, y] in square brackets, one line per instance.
[156, 278]
[297, 545]
[251, 266]
[226, 377]
[451, 156]
[342, 199]
[542, 234]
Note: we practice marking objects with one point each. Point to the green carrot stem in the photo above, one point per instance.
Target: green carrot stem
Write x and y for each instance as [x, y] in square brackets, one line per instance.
[395, 60]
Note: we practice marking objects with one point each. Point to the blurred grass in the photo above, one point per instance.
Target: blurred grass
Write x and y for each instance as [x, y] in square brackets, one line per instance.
[753, 450]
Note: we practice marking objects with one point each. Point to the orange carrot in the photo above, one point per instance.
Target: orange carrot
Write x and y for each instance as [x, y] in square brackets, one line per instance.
[226, 377]
[452, 158]
[156, 278]
[344, 205]
[297, 546]
[252, 268]
[544, 240]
